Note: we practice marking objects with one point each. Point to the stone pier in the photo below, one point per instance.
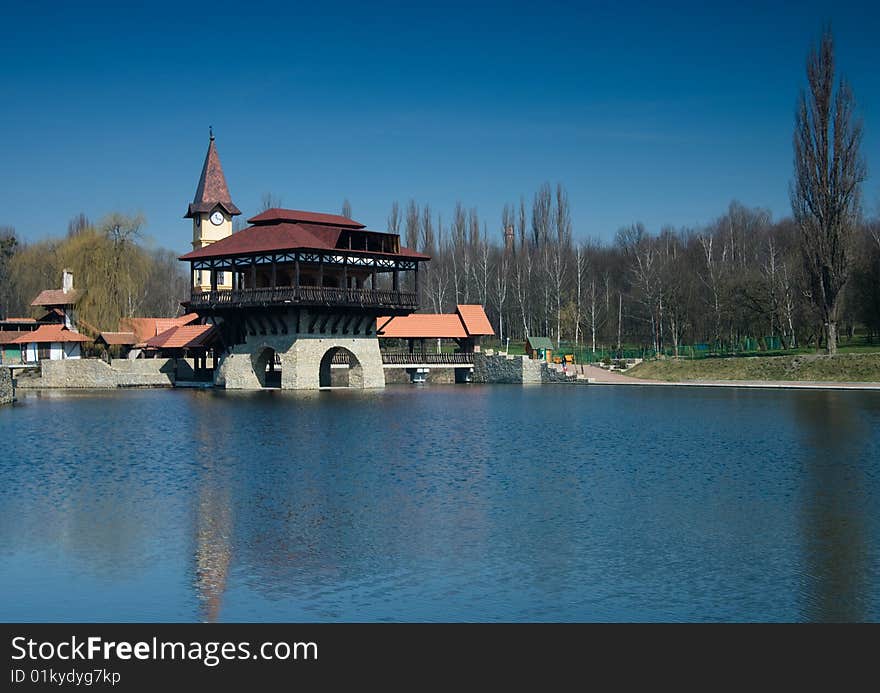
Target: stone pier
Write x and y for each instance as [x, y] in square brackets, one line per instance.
[304, 359]
[7, 389]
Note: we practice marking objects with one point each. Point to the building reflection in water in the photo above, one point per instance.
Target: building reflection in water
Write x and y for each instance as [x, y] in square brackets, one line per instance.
[213, 514]
[213, 549]
[835, 521]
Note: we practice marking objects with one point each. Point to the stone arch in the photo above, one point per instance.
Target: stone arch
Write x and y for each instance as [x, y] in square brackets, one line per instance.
[328, 376]
[267, 367]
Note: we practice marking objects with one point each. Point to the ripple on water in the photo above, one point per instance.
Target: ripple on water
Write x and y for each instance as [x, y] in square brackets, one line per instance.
[445, 503]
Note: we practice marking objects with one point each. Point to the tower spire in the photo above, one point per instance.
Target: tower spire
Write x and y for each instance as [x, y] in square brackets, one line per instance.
[212, 190]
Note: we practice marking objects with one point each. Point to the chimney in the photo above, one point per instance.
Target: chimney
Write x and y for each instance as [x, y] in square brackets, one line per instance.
[508, 238]
[66, 281]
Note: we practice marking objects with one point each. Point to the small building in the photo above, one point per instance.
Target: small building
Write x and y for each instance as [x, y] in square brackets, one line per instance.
[52, 336]
[540, 348]
[465, 327]
[60, 302]
[10, 330]
[185, 343]
[52, 342]
[117, 344]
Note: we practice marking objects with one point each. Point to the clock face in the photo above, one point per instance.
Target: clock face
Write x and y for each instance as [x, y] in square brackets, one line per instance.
[217, 218]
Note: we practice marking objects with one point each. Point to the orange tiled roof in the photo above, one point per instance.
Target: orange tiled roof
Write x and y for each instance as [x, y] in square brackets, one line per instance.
[182, 337]
[422, 326]
[56, 297]
[146, 328]
[467, 321]
[118, 338]
[475, 321]
[9, 336]
[51, 333]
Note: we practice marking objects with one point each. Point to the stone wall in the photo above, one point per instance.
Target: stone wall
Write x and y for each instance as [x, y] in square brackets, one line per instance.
[98, 374]
[519, 370]
[501, 369]
[7, 390]
[301, 356]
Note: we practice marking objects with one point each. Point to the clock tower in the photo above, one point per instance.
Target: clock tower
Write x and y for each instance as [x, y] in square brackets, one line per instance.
[211, 212]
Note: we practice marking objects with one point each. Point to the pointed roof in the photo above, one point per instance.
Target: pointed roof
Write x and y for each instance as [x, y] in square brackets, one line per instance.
[212, 190]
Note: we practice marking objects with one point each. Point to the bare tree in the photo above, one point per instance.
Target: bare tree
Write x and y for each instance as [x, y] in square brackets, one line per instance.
[560, 253]
[78, 224]
[825, 193]
[269, 201]
[411, 223]
[394, 218]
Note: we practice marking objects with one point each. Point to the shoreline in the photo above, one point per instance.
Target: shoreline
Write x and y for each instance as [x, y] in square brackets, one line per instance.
[599, 376]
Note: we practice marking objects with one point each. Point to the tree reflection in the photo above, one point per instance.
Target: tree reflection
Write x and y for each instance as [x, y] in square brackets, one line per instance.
[835, 524]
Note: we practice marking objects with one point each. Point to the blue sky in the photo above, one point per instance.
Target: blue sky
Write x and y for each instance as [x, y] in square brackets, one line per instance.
[658, 114]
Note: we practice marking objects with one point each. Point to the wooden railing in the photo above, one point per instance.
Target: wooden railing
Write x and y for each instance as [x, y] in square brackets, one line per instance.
[304, 295]
[407, 358]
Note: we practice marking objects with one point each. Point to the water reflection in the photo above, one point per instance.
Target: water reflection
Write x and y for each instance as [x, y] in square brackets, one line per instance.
[835, 525]
[458, 503]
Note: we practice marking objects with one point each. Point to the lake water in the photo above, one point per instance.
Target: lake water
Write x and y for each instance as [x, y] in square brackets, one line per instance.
[461, 503]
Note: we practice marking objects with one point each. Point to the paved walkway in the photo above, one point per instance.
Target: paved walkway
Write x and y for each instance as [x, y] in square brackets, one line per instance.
[599, 376]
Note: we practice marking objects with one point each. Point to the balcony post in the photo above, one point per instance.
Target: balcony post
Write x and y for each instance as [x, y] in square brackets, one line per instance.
[213, 280]
[296, 275]
[274, 273]
[345, 272]
[395, 281]
[416, 280]
[321, 272]
[373, 279]
[253, 283]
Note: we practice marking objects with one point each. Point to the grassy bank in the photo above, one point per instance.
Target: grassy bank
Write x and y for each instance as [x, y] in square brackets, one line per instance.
[864, 367]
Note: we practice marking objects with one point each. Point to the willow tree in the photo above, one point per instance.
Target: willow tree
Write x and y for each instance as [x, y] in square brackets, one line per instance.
[825, 192]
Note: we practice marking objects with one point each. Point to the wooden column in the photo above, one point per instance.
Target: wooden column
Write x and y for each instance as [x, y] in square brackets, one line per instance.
[253, 275]
[373, 280]
[416, 279]
[395, 279]
[274, 273]
[345, 272]
[213, 280]
[321, 272]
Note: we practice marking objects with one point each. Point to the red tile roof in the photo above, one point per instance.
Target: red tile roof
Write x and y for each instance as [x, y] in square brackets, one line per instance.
[9, 336]
[145, 328]
[475, 321]
[51, 333]
[422, 326]
[212, 189]
[296, 215]
[282, 235]
[467, 321]
[56, 297]
[118, 338]
[261, 239]
[184, 336]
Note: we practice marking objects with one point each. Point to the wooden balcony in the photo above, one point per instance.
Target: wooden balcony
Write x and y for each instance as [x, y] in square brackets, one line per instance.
[321, 296]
